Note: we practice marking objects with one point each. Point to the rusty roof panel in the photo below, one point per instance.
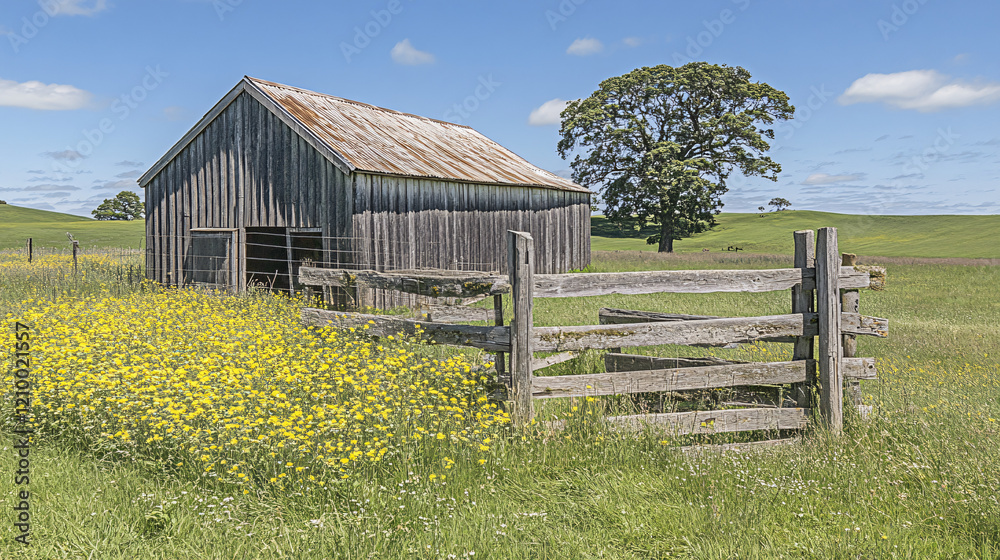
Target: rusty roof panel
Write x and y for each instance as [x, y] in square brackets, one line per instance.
[380, 140]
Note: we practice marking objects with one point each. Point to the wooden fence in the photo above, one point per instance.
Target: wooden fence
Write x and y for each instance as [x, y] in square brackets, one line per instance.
[824, 307]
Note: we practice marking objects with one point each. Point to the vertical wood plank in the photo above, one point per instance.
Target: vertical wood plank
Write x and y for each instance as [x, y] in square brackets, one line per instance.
[851, 303]
[802, 302]
[521, 264]
[831, 397]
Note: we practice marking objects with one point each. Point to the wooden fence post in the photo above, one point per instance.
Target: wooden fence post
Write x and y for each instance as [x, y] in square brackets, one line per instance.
[521, 268]
[30, 249]
[851, 303]
[831, 396]
[802, 302]
[76, 249]
[501, 363]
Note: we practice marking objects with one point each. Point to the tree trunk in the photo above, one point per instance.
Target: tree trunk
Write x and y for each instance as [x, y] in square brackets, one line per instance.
[666, 237]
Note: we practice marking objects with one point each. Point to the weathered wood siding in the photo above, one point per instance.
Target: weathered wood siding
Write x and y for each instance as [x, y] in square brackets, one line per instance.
[402, 223]
[246, 169]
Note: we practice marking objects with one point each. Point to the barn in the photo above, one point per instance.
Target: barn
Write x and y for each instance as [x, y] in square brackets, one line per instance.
[275, 176]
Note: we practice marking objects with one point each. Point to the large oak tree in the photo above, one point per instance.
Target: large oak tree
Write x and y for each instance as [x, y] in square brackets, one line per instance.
[660, 143]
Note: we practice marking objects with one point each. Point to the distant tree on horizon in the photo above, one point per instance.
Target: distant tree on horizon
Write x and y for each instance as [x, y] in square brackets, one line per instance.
[124, 206]
[779, 204]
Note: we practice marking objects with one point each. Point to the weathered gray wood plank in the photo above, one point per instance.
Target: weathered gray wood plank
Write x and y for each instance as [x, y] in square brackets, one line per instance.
[829, 352]
[431, 283]
[458, 313]
[542, 363]
[521, 264]
[612, 316]
[487, 338]
[802, 302]
[707, 332]
[716, 421]
[614, 362]
[684, 281]
[679, 379]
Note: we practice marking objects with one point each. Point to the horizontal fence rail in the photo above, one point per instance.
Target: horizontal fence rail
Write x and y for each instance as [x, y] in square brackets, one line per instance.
[709, 422]
[438, 283]
[688, 378]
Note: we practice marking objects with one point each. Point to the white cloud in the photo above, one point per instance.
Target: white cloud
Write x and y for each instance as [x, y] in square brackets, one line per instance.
[405, 53]
[36, 95]
[920, 90]
[632, 41]
[548, 113]
[584, 47]
[73, 7]
[827, 179]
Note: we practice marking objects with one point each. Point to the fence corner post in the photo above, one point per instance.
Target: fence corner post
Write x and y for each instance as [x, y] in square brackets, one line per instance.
[803, 302]
[830, 343]
[521, 271]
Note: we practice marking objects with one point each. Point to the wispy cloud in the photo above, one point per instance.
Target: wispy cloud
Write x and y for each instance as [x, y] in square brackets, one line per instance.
[405, 53]
[73, 7]
[49, 188]
[65, 155]
[920, 90]
[548, 113]
[128, 163]
[117, 185]
[584, 47]
[632, 41]
[827, 179]
[43, 97]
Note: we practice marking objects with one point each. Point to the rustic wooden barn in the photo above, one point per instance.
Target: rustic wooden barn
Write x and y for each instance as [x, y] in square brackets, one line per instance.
[274, 176]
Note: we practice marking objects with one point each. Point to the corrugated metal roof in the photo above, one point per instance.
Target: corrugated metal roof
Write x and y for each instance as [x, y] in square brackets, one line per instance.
[377, 140]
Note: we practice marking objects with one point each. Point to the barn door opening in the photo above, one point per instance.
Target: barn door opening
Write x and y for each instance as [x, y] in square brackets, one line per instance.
[209, 259]
[274, 255]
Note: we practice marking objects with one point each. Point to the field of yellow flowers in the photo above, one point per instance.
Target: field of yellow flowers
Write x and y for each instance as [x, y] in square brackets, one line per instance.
[233, 388]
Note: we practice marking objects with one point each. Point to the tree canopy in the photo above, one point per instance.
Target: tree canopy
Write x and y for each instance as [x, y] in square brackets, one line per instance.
[779, 203]
[660, 143]
[124, 206]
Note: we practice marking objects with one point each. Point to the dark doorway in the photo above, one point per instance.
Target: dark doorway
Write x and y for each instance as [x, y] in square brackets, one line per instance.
[274, 255]
[209, 259]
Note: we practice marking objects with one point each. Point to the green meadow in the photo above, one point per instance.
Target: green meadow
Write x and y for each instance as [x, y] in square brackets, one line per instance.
[971, 237]
[917, 479]
[48, 230]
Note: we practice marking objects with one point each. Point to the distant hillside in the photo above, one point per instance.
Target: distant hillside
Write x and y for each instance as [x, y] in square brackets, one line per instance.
[889, 236]
[48, 229]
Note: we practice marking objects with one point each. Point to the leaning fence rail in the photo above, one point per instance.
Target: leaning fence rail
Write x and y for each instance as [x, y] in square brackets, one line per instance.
[824, 309]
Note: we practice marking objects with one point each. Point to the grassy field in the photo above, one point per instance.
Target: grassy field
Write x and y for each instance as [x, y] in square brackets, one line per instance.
[48, 230]
[918, 479]
[887, 236]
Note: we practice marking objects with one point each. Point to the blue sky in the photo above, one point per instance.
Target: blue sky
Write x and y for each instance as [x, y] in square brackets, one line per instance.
[897, 101]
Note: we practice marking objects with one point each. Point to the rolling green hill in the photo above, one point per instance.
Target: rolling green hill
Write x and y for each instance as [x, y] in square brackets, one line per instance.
[886, 236]
[48, 229]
